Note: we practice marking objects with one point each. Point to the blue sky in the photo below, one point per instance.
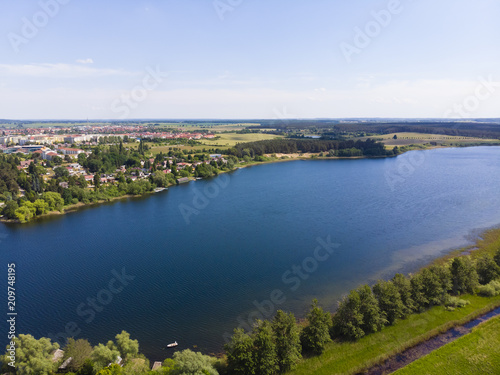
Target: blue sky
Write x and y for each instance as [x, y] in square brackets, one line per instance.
[70, 59]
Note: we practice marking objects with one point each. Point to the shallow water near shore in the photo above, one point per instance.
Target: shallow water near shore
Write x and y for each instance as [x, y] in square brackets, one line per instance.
[196, 261]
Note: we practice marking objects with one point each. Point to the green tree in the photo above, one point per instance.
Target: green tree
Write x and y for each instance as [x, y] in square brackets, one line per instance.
[33, 357]
[54, 200]
[239, 351]
[287, 339]
[87, 368]
[79, 350]
[61, 172]
[436, 284]
[167, 366]
[23, 214]
[315, 335]
[348, 319]
[389, 300]
[9, 210]
[373, 319]
[188, 362]
[203, 170]
[136, 366]
[97, 181]
[464, 277]
[496, 258]
[128, 348]
[57, 160]
[417, 292]
[41, 206]
[102, 356]
[487, 269]
[403, 286]
[265, 359]
[159, 179]
[114, 369]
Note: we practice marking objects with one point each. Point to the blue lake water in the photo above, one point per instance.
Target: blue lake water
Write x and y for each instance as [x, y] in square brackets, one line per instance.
[204, 256]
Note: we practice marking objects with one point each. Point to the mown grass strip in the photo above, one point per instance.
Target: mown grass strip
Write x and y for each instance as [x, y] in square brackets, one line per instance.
[353, 357]
[475, 353]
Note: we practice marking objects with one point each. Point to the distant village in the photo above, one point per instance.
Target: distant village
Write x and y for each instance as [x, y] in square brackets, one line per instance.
[17, 140]
[66, 164]
[49, 144]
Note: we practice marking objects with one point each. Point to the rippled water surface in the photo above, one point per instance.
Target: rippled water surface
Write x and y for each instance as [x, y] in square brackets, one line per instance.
[246, 238]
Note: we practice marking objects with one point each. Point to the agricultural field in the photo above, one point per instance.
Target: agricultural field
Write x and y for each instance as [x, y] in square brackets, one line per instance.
[225, 141]
[475, 353]
[405, 139]
[231, 139]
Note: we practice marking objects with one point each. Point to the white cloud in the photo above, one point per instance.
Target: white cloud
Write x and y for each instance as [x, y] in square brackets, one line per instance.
[419, 98]
[85, 61]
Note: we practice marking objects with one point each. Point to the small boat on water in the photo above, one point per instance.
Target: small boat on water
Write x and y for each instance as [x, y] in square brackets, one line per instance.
[157, 190]
[172, 345]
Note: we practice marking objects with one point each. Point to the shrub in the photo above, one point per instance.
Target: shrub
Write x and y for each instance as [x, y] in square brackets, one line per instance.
[490, 290]
[455, 302]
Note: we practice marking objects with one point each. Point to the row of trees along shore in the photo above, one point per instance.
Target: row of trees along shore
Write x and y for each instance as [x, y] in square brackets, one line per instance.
[276, 346]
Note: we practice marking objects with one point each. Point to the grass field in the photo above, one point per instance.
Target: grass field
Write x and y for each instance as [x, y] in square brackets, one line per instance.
[475, 353]
[231, 139]
[351, 357]
[226, 140]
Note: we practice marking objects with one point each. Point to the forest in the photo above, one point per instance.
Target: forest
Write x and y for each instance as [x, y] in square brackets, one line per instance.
[291, 146]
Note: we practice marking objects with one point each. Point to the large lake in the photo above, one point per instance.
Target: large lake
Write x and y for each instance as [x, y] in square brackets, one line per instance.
[196, 266]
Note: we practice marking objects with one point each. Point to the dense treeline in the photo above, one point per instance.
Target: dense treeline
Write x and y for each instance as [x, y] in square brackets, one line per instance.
[290, 146]
[8, 174]
[276, 346]
[363, 311]
[481, 129]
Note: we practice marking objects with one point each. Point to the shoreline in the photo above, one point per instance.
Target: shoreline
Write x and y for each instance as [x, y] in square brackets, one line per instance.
[77, 207]
[310, 157]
